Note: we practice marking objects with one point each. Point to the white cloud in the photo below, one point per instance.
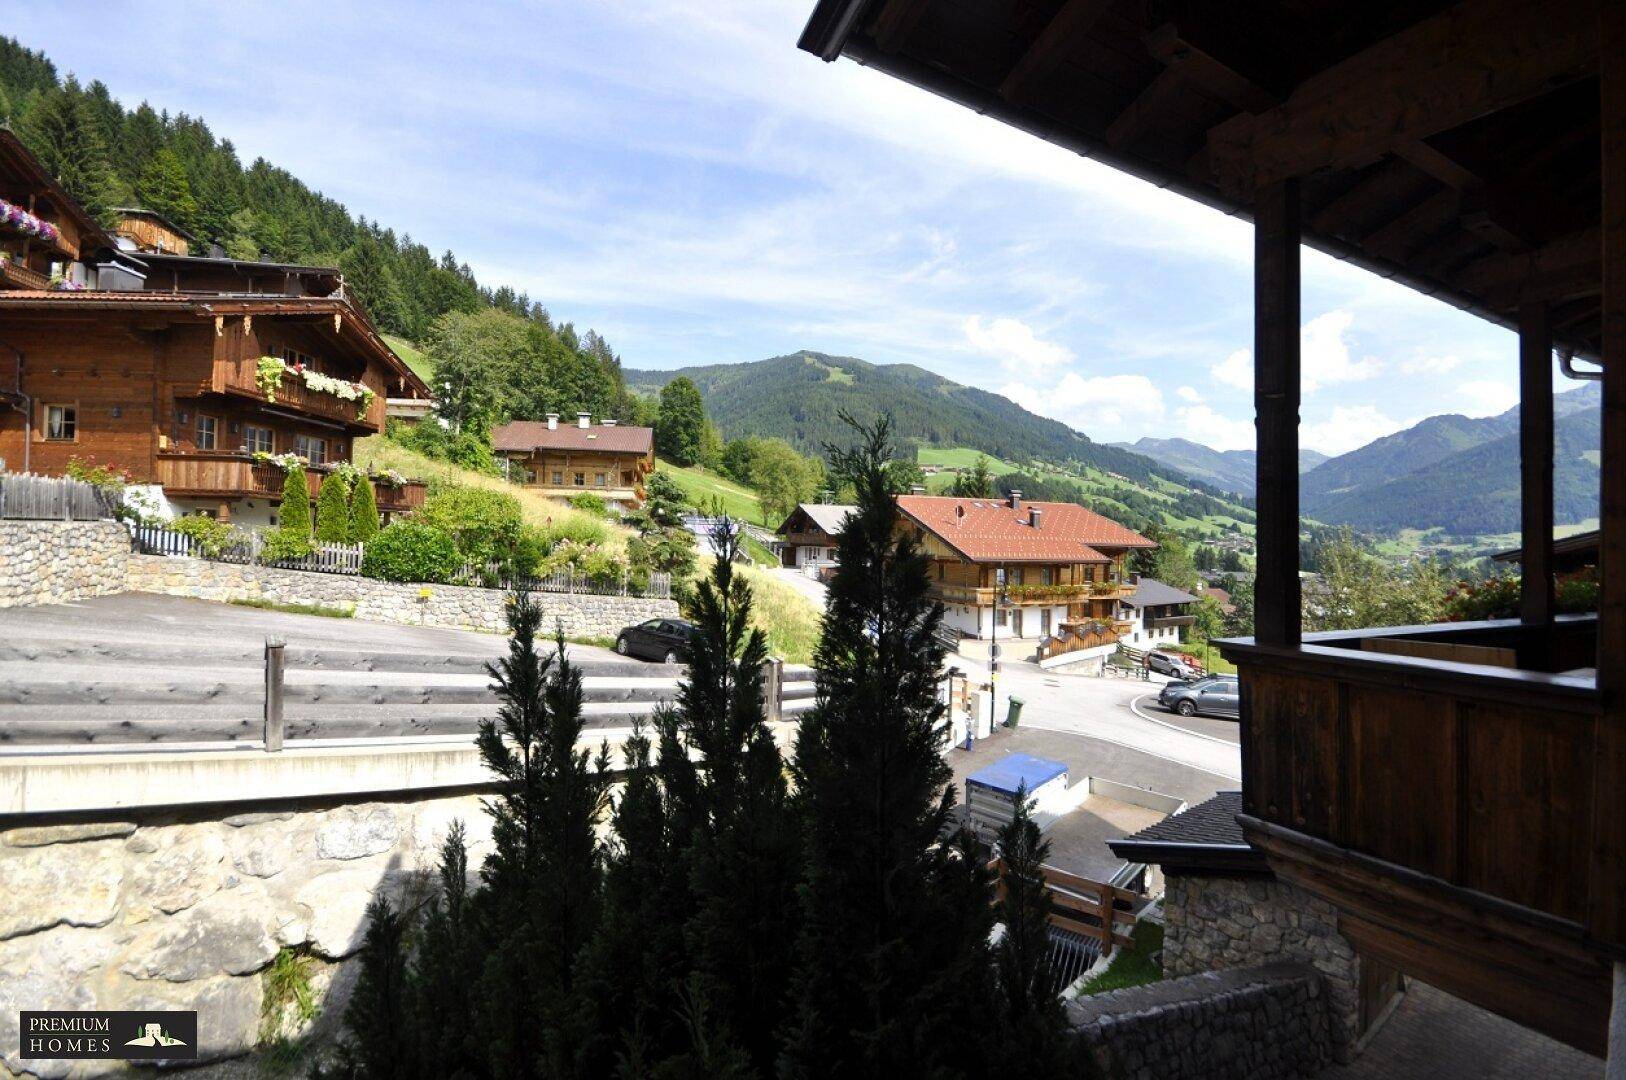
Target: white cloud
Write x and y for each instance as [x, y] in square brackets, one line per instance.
[1091, 403]
[1235, 370]
[1189, 393]
[1015, 345]
[1430, 365]
[1201, 424]
[1324, 357]
[1485, 397]
[1348, 427]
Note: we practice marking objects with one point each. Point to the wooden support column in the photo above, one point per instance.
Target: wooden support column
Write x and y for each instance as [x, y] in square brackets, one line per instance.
[1606, 922]
[1536, 463]
[1276, 407]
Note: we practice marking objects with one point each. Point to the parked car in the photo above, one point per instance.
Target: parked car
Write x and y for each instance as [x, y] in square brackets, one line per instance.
[1212, 695]
[666, 640]
[1175, 665]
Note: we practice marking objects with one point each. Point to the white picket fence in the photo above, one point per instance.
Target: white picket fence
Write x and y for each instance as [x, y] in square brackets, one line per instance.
[53, 498]
[326, 559]
[568, 581]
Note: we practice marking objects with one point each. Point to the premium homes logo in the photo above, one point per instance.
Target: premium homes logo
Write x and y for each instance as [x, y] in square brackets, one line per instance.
[116, 1036]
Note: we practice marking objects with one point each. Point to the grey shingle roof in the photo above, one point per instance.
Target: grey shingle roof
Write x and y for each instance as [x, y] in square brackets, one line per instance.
[1211, 822]
[1153, 593]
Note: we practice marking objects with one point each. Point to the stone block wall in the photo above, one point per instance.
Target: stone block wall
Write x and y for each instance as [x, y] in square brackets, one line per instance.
[187, 911]
[447, 606]
[54, 562]
[1267, 1022]
[1212, 923]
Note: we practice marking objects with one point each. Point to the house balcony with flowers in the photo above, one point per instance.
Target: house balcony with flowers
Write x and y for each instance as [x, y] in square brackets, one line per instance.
[355, 405]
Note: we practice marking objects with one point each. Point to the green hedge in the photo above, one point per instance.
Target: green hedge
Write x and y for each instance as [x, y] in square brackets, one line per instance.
[412, 551]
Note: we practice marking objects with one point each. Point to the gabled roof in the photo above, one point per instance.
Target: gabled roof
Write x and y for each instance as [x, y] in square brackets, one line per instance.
[523, 436]
[141, 211]
[1150, 592]
[830, 518]
[1202, 837]
[20, 160]
[990, 530]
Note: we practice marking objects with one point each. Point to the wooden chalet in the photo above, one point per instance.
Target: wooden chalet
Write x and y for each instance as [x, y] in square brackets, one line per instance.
[609, 460]
[1467, 819]
[150, 232]
[193, 391]
[1012, 568]
[812, 532]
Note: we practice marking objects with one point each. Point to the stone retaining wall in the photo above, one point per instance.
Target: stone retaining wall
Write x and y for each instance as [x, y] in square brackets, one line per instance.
[1262, 1023]
[54, 562]
[187, 911]
[1229, 922]
[447, 606]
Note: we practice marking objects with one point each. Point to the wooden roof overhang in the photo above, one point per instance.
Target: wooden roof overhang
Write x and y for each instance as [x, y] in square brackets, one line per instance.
[25, 182]
[1452, 148]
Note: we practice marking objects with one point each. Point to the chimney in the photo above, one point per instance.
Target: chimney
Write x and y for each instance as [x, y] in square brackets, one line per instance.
[917, 489]
[959, 513]
[553, 421]
[1015, 499]
[1033, 516]
[584, 419]
[608, 423]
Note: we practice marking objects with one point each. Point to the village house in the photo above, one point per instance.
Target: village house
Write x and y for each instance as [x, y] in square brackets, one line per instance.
[1157, 613]
[1022, 571]
[201, 396]
[811, 534]
[606, 459]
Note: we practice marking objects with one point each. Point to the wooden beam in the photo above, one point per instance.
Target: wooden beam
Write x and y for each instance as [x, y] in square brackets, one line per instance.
[1276, 231]
[1442, 168]
[896, 21]
[1471, 60]
[1205, 70]
[1563, 269]
[1607, 914]
[1536, 465]
[1396, 239]
[1070, 23]
[1152, 104]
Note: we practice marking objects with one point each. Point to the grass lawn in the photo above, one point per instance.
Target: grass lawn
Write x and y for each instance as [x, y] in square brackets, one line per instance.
[1132, 966]
[702, 488]
[1212, 661]
[790, 619]
[298, 609]
[407, 351]
[960, 457]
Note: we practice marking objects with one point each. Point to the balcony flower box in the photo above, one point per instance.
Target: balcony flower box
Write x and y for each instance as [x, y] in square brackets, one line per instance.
[16, 219]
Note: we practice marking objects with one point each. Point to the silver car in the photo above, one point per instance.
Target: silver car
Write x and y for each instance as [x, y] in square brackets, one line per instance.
[1212, 695]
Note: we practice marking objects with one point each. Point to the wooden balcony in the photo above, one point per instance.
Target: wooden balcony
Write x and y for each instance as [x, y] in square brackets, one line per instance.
[1028, 595]
[222, 475]
[17, 276]
[238, 380]
[1438, 785]
[1165, 621]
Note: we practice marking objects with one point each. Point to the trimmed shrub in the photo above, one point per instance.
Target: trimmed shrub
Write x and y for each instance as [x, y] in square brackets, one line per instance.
[364, 523]
[295, 516]
[412, 551]
[578, 530]
[485, 525]
[591, 503]
[283, 544]
[333, 510]
[209, 534]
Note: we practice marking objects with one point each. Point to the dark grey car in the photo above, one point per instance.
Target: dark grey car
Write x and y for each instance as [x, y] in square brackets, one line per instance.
[1212, 695]
[666, 640]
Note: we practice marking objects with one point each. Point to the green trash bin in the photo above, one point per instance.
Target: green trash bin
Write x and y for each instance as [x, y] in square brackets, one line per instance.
[1013, 715]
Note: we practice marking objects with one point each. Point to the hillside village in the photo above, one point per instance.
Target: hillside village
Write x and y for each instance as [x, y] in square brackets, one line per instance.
[394, 683]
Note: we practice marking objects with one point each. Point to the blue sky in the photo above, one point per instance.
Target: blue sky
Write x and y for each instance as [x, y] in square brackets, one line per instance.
[681, 178]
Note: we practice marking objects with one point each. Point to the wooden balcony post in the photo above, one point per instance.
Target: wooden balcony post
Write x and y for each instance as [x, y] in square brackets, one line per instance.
[1276, 405]
[1536, 464]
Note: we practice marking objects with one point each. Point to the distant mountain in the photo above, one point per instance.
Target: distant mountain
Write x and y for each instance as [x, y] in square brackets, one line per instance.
[800, 397]
[1228, 470]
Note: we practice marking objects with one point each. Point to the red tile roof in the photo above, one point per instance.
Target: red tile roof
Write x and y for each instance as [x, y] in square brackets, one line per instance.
[523, 436]
[989, 530]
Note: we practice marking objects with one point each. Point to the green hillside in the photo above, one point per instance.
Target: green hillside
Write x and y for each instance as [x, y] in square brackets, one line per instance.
[1227, 470]
[420, 364]
[702, 488]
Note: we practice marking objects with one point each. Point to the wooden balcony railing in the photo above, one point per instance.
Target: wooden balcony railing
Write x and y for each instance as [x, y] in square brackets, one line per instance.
[1163, 621]
[1093, 909]
[231, 476]
[1445, 800]
[393, 499]
[239, 379]
[1026, 595]
[1077, 637]
[17, 276]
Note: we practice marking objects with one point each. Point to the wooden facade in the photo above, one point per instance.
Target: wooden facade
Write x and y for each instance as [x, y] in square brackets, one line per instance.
[27, 261]
[1466, 817]
[563, 460]
[152, 232]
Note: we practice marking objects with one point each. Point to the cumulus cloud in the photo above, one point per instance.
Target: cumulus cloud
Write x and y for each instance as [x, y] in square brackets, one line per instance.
[1486, 397]
[1014, 344]
[1090, 403]
[1202, 424]
[1189, 393]
[1324, 357]
[1347, 427]
[1430, 365]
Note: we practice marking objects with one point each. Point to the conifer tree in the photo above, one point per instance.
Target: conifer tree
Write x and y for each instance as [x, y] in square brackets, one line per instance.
[164, 189]
[893, 942]
[294, 518]
[332, 510]
[381, 1040]
[446, 969]
[64, 133]
[364, 523]
[544, 877]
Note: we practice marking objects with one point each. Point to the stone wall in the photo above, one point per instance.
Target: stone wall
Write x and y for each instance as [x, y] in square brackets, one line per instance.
[54, 562]
[1261, 1023]
[187, 911]
[447, 606]
[1213, 923]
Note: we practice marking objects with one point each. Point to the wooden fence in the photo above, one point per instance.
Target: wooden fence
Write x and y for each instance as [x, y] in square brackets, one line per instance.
[53, 498]
[1092, 909]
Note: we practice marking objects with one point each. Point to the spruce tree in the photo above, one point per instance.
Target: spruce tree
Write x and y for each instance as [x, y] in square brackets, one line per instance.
[294, 518]
[364, 523]
[545, 876]
[893, 943]
[164, 189]
[63, 132]
[381, 1038]
[446, 969]
[332, 510]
